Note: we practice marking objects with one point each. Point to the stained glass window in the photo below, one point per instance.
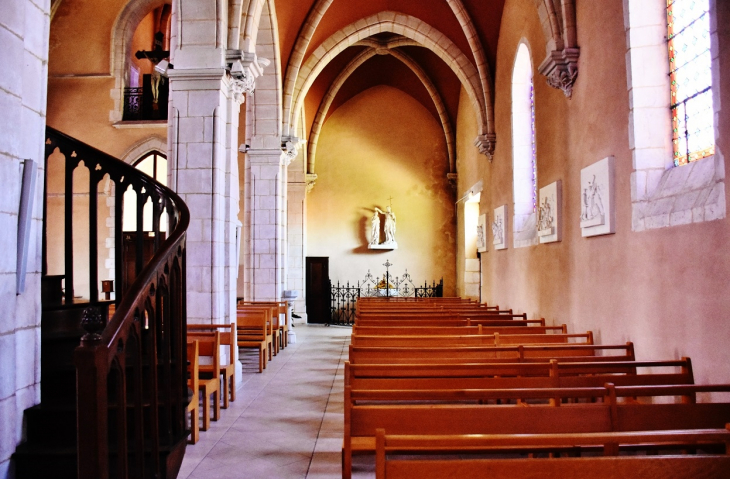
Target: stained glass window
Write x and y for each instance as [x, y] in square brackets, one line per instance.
[534, 148]
[690, 71]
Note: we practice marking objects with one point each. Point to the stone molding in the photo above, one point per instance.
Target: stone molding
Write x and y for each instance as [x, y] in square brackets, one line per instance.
[311, 179]
[561, 69]
[691, 193]
[486, 144]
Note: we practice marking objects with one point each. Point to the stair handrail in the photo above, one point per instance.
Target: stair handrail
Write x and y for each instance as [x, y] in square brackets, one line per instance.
[147, 330]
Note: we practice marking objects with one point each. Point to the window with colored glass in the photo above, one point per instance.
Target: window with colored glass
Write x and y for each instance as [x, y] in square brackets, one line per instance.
[690, 71]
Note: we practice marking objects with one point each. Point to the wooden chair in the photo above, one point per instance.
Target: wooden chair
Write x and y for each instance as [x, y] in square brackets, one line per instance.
[209, 375]
[271, 333]
[251, 333]
[228, 371]
[192, 408]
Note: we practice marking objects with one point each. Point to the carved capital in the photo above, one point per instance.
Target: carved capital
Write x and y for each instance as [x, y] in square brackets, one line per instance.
[290, 147]
[242, 86]
[486, 144]
[244, 68]
[453, 180]
[311, 179]
[561, 69]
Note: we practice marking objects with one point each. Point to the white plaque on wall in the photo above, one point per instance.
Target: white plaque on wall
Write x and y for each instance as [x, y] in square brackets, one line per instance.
[499, 228]
[482, 234]
[549, 221]
[597, 212]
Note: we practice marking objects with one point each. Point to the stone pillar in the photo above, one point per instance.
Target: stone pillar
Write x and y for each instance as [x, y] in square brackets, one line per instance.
[296, 236]
[198, 170]
[265, 224]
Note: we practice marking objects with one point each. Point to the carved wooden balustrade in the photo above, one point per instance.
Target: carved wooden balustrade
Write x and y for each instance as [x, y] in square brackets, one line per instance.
[131, 387]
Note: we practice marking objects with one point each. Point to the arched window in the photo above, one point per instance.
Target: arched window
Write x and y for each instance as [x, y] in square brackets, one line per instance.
[153, 164]
[673, 102]
[524, 169]
[690, 73]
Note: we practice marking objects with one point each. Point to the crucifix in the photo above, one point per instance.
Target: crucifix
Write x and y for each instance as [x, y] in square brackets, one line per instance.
[155, 55]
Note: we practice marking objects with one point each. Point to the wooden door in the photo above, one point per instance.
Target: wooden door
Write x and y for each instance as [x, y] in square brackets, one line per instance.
[318, 290]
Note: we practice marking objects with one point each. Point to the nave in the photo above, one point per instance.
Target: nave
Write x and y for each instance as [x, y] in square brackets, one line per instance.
[286, 422]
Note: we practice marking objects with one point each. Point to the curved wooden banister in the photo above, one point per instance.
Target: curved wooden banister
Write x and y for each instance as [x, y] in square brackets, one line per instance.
[131, 375]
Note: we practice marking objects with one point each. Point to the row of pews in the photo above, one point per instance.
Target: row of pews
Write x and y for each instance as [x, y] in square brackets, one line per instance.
[211, 349]
[445, 387]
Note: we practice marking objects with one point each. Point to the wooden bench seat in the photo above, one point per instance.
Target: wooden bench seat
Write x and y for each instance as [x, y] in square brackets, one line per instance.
[470, 340]
[209, 344]
[515, 376]
[418, 330]
[228, 368]
[362, 420]
[272, 329]
[395, 455]
[251, 332]
[564, 352]
[455, 322]
[282, 317]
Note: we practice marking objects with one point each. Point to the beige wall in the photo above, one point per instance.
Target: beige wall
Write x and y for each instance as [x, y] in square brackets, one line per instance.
[81, 77]
[664, 289]
[383, 143]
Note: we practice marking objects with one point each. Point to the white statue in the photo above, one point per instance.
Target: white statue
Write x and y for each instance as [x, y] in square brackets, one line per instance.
[375, 228]
[389, 226]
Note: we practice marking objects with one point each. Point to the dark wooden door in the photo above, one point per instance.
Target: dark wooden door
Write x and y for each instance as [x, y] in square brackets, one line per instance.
[318, 290]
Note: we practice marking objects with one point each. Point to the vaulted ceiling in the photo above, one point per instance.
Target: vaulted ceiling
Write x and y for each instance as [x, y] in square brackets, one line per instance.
[419, 47]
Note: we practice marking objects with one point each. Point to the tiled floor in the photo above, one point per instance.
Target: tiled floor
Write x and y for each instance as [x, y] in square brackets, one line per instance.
[286, 422]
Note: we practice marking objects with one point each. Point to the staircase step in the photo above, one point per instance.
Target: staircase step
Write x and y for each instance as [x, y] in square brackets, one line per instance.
[34, 461]
[54, 424]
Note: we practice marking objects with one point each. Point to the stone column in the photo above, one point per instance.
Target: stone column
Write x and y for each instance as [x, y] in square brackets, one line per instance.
[265, 224]
[296, 236]
[199, 170]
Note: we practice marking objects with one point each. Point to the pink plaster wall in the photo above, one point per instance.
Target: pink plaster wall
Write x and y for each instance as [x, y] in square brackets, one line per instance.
[664, 289]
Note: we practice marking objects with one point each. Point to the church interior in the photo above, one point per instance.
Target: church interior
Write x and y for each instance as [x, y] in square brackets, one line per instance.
[561, 158]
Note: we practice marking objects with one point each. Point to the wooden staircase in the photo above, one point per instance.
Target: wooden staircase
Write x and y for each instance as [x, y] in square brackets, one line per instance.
[125, 371]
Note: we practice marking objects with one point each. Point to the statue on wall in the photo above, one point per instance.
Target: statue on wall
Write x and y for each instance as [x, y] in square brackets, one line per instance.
[375, 228]
[389, 227]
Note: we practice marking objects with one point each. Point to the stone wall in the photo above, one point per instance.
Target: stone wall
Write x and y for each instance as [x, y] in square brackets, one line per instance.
[24, 56]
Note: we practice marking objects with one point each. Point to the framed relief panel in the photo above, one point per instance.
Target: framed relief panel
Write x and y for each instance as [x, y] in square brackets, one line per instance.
[482, 234]
[499, 228]
[597, 211]
[549, 211]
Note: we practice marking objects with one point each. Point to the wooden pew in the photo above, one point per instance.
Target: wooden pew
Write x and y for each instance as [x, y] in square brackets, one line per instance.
[228, 370]
[551, 374]
[272, 328]
[495, 339]
[451, 462]
[454, 322]
[418, 330]
[407, 317]
[282, 317]
[209, 344]
[513, 353]
[251, 332]
[363, 417]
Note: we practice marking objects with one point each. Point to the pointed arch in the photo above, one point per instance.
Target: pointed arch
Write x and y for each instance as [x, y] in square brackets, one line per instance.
[401, 24]
[121, 43]
[349, 70]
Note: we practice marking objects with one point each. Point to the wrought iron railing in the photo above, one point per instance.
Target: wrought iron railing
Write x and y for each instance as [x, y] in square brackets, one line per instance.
[131, 373]
[139, 104]
[343, 297]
